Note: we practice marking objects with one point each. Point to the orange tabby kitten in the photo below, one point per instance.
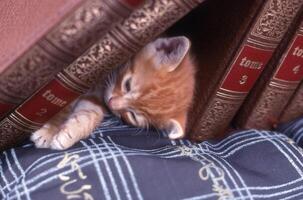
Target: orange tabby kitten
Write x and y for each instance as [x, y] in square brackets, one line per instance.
[154, 88]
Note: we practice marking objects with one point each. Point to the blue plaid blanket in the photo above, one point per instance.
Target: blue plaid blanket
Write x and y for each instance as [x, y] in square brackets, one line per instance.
[122, 162]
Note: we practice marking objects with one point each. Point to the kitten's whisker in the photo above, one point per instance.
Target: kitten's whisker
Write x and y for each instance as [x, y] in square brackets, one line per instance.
[147, 127]
[159, 135]
[106, 83]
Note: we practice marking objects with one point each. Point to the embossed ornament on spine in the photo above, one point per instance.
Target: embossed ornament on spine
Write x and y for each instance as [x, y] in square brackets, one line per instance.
[294, 108]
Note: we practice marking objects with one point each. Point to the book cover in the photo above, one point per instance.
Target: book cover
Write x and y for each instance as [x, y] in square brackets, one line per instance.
[294, 108]
[113, 49]
[59, 47]
[21, 27]
[21, 24]
[268, 98]
[242, 67]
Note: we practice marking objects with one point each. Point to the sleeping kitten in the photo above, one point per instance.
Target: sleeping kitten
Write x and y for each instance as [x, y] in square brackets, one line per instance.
[154, 88]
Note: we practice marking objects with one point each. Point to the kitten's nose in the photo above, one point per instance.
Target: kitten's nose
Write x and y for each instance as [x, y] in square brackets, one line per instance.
[110, 103]
[115, 103]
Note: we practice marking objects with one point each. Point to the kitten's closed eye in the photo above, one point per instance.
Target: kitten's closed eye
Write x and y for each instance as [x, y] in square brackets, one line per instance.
[132, 116]
[127, 85]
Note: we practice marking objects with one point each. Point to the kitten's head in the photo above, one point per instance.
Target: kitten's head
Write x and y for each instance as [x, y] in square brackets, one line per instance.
[155, 87]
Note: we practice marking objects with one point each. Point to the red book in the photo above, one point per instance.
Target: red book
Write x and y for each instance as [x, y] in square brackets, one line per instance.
[276, 85]
[294, 108]
[233, 42]
[60, 44]
[111, 50]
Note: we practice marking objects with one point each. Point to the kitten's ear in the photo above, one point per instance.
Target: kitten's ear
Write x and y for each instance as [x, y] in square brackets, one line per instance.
[176, 128]
[168, 53]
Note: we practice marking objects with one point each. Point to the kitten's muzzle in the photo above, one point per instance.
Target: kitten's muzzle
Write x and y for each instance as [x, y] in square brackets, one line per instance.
[116, 103]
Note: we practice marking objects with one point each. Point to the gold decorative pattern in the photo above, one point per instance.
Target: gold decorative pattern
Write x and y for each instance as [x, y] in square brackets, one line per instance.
[10, 135]
[268, 107]
[215, 119]
[276, 15]
[26, 76]
[86, 25]
[294, 108]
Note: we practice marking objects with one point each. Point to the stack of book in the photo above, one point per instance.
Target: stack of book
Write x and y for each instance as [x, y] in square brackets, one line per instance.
[249, 56]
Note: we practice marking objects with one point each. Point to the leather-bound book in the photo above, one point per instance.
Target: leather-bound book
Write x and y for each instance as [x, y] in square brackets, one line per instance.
[294, 108]
[58, 47]
[232, 44]
[276, 85]
[121, 42]
[22, 24]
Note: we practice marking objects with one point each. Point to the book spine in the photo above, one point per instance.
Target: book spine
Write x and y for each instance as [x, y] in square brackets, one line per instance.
[249, 61]
[111, 50]
[271, 94]
[62, 45]
[294, 108]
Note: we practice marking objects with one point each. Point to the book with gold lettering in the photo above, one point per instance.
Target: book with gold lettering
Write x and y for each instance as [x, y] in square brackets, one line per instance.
[104, 55]
[294, 107]
[276, 85]
[63, 43]
[233, 42]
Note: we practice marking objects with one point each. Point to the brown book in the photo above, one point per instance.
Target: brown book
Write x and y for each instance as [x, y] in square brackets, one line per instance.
[59, 47]
[21, 27]
[21, 24]
[111, 50]
[275, 86]
[234, 41]
[294, 108]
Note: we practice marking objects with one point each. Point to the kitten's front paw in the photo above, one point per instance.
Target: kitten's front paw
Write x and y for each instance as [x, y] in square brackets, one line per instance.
[65, 138]
[42, 137]
[175, 130]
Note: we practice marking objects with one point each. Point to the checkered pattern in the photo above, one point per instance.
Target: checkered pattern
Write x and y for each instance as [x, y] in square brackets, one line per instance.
[121, 162]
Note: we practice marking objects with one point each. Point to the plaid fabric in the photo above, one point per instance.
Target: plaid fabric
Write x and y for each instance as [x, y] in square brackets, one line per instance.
[121, 162]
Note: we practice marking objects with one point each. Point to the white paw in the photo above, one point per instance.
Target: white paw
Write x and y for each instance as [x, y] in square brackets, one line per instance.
[42, 137]
[66, 137]
[175, 130]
